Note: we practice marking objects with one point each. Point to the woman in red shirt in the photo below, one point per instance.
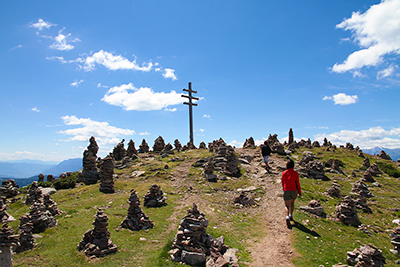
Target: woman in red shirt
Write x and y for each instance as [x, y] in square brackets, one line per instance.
[291, 188]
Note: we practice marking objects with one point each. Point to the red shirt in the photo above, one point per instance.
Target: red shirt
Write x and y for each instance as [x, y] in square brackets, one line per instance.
[290, 181]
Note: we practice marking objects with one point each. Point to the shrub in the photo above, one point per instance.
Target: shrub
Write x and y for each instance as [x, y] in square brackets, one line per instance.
[66, 182]
[389, 169]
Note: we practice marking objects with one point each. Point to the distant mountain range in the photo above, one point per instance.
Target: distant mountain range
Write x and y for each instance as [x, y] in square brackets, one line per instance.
[393, 153]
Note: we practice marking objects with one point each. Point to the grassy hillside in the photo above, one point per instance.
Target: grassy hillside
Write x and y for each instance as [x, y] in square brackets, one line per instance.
[318, 241]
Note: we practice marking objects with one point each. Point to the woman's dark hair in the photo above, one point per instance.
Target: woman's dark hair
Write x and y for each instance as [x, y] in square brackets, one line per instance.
[289, 164]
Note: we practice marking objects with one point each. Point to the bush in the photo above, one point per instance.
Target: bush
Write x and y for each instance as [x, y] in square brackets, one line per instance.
[66, 182]
[45, 184]
[389, 169]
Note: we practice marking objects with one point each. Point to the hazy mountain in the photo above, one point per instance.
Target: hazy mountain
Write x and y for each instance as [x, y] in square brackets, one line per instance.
[22, 169]
[393, 153]
[69, 165]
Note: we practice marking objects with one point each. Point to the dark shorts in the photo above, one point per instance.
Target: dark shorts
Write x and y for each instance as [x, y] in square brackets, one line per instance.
[289, 195]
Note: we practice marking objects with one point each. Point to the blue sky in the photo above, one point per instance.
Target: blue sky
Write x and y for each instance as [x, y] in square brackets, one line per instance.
[117, 69]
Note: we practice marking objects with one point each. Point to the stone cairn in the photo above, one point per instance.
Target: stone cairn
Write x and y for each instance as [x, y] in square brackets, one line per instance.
[209, 170]
[244, 200]
[315, 144]
[275, 145]
[346, 212]
[361, 203]
[131, 152]
[51, 205]
[106, 175]
[249, 143]
[310, 167]
[335, 167]
[89, 174]
[314, 207]
[361, 189]
[96, 242]
[367, 177]
[291, 137]
[216, 144]
[334, 191]
[188, 146]
[154, 197]
[135, 220]
[226, 161]
[395, 240]
[193, 246]
[366, 256]
[178, 145]
[7, 240]
[365, 163]
[50, 178]
[34, 194]
[119, 151]
[202, 145]
[40, 178]
[40, 218]
[4, 216]
[167, 150]
[9, 188]
[383, 155]
[26, 239]
[144, 147]
[159, 144]
[374, 170]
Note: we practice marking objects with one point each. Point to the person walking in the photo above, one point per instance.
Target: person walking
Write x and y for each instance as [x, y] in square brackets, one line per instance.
[266, 153]
[291, 188]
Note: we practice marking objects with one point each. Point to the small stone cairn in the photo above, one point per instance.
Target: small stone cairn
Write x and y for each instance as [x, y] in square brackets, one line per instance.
[395, 240]
[244, 200]
[96, 242]
[365, 163]
[167, 150]
[131, 152]
[89, 174]
[51, 205]
[346, 212]
[40, 218]
[34, 194]
[40, 178]
[226, 161]
[275, 145]
[178, 145]
[361, 189]
[106, 175]
[374, 170]
[310, 167]
[366, 256]
[119, 151]
[4, 216]
[334, 191]
[361, 203]
[336, 167]
[9, 188]
[367, 177]
[7, 240]
[159, 144]
[209, 170]
[144, 147]
[154, 197]
[26, 239]
[384, 156]
[314, 207]
[193, 246]
[202, 145]
[249, 143]
[135, 220]
[50, 178]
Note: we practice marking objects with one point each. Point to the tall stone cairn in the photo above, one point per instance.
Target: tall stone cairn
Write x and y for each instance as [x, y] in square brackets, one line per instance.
[4, 216]
[135, 220]
[291, 137]
[51, 205]
[159, 144]
[40, 218]
[226, 161]
[34, 194]
[106, 175]
[154, 197]
[9, 188]
[178, 145]
[96, 242]
[7, 240]
[25, 239]
[249, 143]
[131, 151]
[193, 246]
[366, 163]
[144, 147]
[89, 174]
[119, 151]
[346, 212]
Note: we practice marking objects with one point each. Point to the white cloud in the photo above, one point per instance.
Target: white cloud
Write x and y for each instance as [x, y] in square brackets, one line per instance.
[113, 62]
[206, 116]
[15, 47]
[386, 72]
[145, 133]
[102, 131]
[131, 98]
[236, 143]
[169, 73]
[171, 109]
[61, 59]
[35, 109]
[61, 42]
[342, 99]
[377, 32]
[372, 137]
[41, 24]
[76, 83]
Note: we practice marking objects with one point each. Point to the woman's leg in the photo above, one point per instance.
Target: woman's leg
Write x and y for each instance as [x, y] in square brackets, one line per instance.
[287, 205]
[291, 206]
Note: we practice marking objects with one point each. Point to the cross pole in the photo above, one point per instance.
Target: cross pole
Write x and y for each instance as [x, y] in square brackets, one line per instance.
[190, 103]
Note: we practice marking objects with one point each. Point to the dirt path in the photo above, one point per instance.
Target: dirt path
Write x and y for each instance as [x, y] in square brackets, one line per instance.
[275, 249]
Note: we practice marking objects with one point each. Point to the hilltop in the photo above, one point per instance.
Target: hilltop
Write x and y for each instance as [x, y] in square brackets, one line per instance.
[258, 231]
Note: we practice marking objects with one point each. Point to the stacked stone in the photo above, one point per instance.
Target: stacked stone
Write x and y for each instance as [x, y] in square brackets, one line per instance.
[34, 194]
[367, 177]
[334, 191]
[291, 137]
[346, 212]
[365, 163]
[374, 170]
[7, 240]
[193, 246]
[249, 143]
[9, 188]
[167, 150]
[336, 166]
[349, 146]
[395, 235]
[308, 144]
[40, 178]
[244, 200]
[40, 218]
[188, 146]
[96, 242]
[119, 151]
[202, 145]
[178, 145]
[209, 170]
[383, 155]
[4, 216]
[361, 189]
[89, 174]
[226, 161]
[366, 256]
[154, 197]
[131, 152]
[26, 239]
[292, 147]
[315, 144]
[106, 175]
[159, 144]
[136, 220]
[275, 145]
[51, 205]
[314, 169]
[306, 158]
[361, 154]
[361, 203]
[315, 207]
[50, 178]
[144, 147]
